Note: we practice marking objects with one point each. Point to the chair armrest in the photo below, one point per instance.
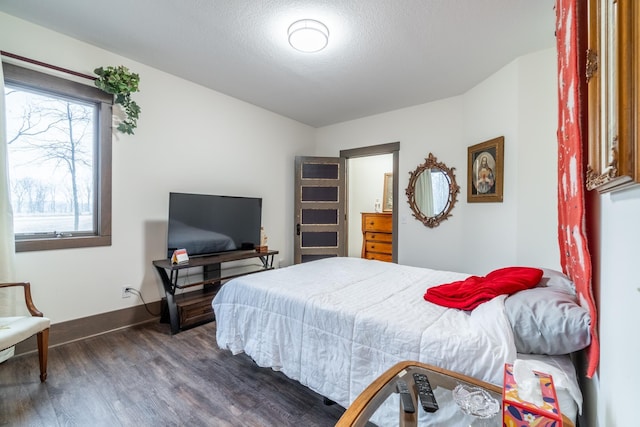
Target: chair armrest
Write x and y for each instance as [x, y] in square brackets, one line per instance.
[27, 296]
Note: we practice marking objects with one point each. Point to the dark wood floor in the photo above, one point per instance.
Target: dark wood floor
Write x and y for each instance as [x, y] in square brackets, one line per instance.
[142, 376]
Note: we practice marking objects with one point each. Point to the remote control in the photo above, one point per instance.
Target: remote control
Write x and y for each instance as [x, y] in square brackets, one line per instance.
[427, 399]
[405, 397]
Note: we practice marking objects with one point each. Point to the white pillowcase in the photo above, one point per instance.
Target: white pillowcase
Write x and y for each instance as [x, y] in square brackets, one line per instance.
[548, 320]
[556, 279]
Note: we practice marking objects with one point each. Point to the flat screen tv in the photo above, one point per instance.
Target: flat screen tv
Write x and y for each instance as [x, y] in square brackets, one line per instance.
[209, 224]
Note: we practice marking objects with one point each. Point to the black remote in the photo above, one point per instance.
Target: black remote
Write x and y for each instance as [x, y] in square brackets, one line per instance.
[405, 397]
[427, 399]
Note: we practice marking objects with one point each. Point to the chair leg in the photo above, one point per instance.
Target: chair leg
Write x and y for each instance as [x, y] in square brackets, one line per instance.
[43, 351]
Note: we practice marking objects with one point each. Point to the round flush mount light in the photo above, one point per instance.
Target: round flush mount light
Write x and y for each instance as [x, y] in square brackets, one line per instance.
[308, 35]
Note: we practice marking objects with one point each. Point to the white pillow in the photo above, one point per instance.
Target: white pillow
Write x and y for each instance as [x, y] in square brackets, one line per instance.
[557, 279]
[547, 320]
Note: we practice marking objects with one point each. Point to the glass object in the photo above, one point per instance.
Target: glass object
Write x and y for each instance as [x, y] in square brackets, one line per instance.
[319, 239]
[319, 216]
[319, 194]
[475, 401]
[320, 171]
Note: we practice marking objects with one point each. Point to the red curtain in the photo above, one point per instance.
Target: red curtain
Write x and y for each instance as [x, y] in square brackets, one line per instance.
[574, 253]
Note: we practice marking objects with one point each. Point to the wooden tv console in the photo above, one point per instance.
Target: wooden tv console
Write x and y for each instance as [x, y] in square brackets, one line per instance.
[192, 308]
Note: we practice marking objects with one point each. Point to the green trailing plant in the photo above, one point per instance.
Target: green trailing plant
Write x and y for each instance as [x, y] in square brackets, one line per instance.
[121, 82]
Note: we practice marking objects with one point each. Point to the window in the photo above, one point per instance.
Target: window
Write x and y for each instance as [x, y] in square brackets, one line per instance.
[59, 159]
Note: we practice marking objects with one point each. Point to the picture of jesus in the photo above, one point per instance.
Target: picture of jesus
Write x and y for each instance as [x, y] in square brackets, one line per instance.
[485, 171]
[484, 179]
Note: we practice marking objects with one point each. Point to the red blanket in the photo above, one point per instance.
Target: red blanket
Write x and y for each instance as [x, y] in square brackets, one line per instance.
[469, 293]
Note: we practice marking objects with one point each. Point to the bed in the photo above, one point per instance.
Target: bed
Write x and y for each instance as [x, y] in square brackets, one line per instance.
[336, 324]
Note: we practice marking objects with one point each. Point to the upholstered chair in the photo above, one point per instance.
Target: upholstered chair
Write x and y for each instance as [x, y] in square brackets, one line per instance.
[16, 329]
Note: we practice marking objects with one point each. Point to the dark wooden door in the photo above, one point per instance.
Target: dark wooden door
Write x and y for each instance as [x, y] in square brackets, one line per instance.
[320, 215]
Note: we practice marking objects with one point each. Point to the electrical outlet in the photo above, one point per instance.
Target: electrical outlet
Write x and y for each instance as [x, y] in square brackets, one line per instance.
[125, 292]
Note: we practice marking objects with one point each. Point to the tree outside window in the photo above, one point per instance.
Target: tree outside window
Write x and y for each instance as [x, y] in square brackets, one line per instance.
[50, 147]
[59, 154]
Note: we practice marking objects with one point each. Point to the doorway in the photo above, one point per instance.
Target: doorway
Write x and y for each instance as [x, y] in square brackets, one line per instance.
[366, 169]
[365, 194]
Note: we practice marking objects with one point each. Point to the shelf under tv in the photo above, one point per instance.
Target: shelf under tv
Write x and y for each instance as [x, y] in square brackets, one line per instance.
[191, 308]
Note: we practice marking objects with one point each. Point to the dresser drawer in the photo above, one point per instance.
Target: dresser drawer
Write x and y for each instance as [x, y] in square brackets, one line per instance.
[194, 315]
[195, 307]
[372, 236]
[379, 257]
[384, 248]
[377, 222]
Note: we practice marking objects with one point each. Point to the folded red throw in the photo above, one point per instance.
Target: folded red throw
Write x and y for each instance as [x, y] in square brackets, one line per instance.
[469, 293]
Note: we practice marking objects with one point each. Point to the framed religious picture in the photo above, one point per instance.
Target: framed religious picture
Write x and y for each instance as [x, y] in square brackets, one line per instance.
[485, 170]
[387, 193]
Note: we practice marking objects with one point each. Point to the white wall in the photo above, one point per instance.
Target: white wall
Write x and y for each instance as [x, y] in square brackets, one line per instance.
[188, 139]
[520, 103]
[433, 127]
[538, 159]
[517, 102]
[619, 296]
[366, 185]
[490, 230]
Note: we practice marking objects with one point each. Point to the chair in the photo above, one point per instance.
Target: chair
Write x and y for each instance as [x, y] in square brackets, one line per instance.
[18, 328]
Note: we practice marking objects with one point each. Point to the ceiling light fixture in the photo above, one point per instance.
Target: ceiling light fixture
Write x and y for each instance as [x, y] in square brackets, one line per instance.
[308, 35]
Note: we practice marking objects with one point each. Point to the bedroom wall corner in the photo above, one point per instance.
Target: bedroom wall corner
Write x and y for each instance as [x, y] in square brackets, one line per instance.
[490, 110]
[519, 103]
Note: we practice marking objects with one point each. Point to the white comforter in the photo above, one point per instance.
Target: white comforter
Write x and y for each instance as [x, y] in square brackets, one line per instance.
[336, 324]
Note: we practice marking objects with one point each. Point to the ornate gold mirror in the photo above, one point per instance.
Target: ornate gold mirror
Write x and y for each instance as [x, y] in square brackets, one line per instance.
[432, 191]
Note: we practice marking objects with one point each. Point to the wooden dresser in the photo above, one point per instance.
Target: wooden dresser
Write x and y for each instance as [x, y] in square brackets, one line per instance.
[377, 235]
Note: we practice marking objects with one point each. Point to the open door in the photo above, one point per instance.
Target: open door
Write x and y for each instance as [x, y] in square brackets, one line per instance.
[319, 208]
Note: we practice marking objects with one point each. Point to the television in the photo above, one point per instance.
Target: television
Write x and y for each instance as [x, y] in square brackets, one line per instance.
[209, 224]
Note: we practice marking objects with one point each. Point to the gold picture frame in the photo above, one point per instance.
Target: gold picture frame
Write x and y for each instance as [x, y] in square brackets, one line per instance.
[612, 75]
[485, 171]
[387, 193]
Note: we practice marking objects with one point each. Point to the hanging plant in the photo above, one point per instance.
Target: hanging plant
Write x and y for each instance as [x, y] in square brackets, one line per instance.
[120, 82]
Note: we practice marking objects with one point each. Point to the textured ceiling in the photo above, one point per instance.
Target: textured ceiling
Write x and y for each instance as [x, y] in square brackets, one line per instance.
[382, 54]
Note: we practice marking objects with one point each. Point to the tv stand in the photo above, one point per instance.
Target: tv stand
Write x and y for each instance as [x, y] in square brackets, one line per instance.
[191, 308]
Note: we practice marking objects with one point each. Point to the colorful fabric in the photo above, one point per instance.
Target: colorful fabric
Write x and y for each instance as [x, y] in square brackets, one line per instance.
[469, 293]
[574, 253]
